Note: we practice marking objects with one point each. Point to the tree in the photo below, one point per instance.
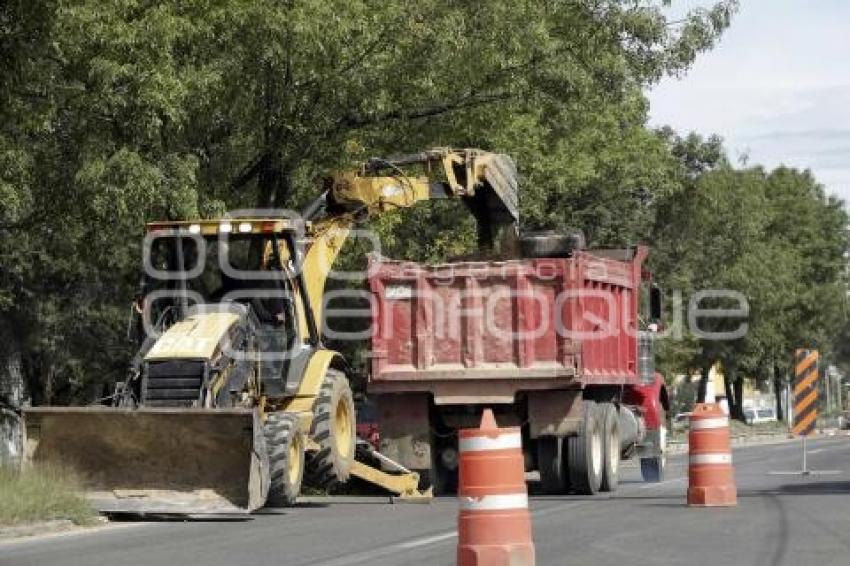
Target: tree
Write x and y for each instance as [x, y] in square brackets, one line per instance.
[123, 112]
[773, 237]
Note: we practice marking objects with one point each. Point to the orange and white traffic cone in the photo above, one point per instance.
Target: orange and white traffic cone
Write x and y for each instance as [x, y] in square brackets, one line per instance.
[711, 478]
[494, 526]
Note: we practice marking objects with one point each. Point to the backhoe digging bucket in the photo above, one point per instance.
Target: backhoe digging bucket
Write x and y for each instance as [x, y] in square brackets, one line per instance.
[157, 461]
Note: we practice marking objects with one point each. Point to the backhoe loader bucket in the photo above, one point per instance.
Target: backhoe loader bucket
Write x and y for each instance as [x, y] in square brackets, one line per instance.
[157, 461]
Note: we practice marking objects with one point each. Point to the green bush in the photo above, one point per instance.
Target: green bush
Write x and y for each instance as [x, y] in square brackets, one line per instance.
[42, 494]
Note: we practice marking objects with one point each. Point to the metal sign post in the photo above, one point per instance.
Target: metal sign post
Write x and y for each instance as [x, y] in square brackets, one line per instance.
[805, 395]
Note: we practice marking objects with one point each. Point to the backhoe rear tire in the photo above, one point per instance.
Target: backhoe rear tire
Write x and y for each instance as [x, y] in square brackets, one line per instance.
[285, 445]
[334, 430]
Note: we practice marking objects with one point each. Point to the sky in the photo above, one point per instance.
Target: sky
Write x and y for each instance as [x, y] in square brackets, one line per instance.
[776, 88]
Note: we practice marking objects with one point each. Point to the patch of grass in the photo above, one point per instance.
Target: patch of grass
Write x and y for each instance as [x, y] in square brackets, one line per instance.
[42, 493]
[737, 428]
[743, 429]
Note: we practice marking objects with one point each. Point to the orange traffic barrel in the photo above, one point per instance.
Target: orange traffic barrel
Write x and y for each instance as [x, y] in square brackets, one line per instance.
[494, 526]
[711, 478]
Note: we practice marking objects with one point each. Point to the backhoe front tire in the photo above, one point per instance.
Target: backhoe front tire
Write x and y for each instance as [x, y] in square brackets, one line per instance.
[285, 445]
[334, 430]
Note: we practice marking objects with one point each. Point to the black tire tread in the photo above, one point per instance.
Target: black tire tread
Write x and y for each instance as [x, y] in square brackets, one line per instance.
[551, 465]
[610, 420]
[652, 469]
[550, 243]
[578, 455]
[324, 470]
[279, 430]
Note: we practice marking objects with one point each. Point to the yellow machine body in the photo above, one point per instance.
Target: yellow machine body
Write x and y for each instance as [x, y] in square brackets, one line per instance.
[206, 458]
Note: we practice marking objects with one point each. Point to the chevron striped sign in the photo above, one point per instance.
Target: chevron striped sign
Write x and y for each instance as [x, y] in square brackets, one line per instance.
[805, 392]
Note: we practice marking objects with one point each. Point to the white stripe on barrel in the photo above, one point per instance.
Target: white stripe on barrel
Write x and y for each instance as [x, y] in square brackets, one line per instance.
[495, 502]
[500, 442]
[703, 424]
[717, 458]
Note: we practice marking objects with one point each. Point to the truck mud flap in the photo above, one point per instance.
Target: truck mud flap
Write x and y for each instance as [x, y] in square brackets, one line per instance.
[155, 461]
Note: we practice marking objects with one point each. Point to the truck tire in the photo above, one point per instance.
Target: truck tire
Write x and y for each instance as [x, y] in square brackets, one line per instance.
[652, 468]
[334, 430]
[610, 447]
[551, 464]
[550, 243]
[285, 445]
[584, 452]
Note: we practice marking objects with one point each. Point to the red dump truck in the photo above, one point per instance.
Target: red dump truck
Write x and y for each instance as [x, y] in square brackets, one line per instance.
[554, 345]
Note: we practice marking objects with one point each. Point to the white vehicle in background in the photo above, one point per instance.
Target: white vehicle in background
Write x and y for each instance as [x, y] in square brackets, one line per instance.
[761, 415]
[681, 421]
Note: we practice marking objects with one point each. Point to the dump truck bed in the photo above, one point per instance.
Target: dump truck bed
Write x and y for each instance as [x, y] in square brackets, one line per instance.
[516, 325]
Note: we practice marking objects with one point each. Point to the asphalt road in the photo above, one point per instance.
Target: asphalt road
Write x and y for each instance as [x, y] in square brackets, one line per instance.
[779, 520]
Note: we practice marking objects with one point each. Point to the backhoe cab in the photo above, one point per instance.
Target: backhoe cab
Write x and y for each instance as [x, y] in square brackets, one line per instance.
[232, 398]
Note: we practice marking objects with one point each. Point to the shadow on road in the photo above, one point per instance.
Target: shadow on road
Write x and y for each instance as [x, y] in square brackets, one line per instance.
[814, 488]
[167, 518]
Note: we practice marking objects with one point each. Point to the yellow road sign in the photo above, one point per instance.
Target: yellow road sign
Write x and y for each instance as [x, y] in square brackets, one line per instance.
[805, 392]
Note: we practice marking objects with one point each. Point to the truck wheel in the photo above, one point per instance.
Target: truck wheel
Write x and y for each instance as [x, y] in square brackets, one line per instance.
[550, 463]
[610, 447]
[585, 452]
[652, 469]
[285, 445]
[334, 430]
[444, 469]
[550, 243]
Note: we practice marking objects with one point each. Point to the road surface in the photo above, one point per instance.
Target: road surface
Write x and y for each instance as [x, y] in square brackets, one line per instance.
[779, 520]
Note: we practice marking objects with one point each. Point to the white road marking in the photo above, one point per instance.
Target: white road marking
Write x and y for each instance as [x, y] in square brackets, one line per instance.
[389, 550]
[429, 540]
[656, 484]
[807, 473]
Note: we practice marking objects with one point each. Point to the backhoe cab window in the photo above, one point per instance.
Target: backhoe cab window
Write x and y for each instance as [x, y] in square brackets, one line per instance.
[217, 269]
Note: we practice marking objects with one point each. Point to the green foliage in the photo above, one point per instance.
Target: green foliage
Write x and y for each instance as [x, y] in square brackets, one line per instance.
[42, 494]
[773, 236]
[114, 114]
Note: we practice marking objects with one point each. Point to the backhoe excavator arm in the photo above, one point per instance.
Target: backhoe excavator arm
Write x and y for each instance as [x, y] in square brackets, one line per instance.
[486, 182]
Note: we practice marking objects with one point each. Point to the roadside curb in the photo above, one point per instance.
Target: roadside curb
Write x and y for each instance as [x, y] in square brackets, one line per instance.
[738, 441]
[47, 528]
[39, 528]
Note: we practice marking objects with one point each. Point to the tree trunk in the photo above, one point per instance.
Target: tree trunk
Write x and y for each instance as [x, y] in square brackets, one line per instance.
[12, 398]
[730, 394]
[778, 390]
[703, 385]
[738, 386]
[274, 182]
[48, 384]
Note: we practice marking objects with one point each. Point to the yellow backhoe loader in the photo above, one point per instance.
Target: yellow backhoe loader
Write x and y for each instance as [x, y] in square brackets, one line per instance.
[232, 398]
